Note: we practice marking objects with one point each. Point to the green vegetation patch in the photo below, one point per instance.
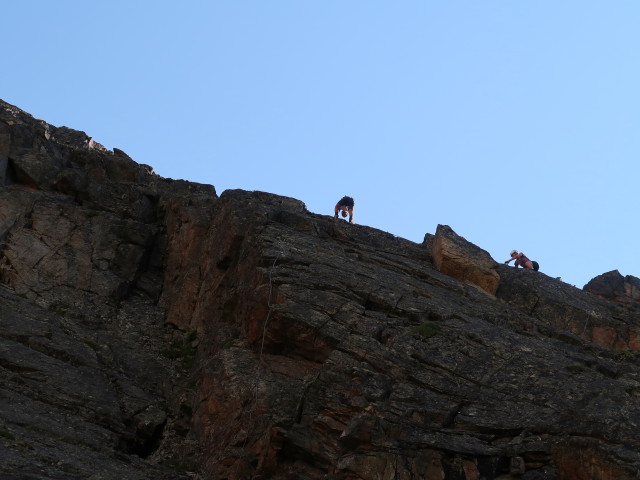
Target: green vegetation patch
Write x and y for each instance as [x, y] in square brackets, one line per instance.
[427, 329]
[59, 309]
[575, 369]
[230, 343]
[179, 466]
[621, 355]
[183, 349]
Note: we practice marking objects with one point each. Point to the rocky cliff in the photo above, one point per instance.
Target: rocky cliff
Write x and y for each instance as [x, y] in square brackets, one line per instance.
[151, 329]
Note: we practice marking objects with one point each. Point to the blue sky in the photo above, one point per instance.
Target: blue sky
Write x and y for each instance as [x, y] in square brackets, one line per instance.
[515, 123]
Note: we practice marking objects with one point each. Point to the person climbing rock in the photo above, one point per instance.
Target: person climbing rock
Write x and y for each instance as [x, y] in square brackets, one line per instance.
[521, 260]
[345, 207]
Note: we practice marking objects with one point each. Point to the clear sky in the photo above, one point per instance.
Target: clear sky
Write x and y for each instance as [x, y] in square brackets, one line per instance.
[513, 122]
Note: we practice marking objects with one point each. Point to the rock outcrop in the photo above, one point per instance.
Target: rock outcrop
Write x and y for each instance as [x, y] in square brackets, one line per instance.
[92, 378]
[151, 329]
[613, 286]
[455, 256]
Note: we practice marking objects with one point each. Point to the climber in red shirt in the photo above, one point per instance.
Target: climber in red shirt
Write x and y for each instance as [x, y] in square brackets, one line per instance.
[522, 261]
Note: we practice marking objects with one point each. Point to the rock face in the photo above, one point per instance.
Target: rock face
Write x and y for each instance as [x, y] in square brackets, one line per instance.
[150, 329]
[90, 382]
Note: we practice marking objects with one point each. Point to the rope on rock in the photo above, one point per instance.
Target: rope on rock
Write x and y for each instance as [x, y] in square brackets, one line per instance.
[266, 320]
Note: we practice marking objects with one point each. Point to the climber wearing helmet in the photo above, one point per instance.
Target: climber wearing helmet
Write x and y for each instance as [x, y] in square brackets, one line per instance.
[522, 261]
[345, 207]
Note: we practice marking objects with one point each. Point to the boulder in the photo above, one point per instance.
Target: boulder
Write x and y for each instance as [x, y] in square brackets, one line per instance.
[453, 255]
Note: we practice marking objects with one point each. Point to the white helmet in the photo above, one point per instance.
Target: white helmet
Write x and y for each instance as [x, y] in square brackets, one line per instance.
[512, 252]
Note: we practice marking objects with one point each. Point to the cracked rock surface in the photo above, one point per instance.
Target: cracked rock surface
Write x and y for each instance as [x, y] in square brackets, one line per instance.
[342, 351]
[151, 329]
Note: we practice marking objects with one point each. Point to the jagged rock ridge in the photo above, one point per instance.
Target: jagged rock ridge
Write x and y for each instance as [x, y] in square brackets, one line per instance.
[149, 327]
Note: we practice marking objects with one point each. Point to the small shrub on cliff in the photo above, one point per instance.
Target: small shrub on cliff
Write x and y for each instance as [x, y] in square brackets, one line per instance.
[179, 466]
[182, 348]
[59, 309]
[575, 369]
[427, 329]
[621, 355]
[229, 343]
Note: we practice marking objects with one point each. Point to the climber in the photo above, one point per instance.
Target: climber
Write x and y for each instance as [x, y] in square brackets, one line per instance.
[345, 205]
[522, 260]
